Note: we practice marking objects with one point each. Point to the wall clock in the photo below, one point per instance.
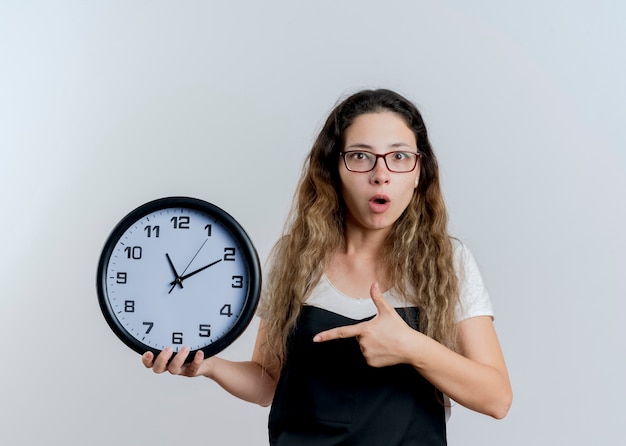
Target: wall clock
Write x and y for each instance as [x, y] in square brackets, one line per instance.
[176, 272]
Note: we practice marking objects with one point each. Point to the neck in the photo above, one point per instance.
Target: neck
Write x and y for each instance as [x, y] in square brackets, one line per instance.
[364, 242]
[353, 267]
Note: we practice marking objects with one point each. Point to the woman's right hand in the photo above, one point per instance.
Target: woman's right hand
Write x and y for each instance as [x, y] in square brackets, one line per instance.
[253, 381]
[167, 361]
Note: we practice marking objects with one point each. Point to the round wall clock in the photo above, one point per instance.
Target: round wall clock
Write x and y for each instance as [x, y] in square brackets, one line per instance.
[177, 272]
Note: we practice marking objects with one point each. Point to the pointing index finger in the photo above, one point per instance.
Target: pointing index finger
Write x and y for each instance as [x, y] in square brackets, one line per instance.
[347, 331]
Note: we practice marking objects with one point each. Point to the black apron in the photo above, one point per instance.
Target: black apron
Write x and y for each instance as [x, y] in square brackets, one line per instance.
[328, 395]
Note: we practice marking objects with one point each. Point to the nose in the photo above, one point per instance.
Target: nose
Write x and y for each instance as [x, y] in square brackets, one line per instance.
[380, 173]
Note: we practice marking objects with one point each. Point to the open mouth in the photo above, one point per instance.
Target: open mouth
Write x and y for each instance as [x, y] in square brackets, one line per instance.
[380, 199]
[379, 203]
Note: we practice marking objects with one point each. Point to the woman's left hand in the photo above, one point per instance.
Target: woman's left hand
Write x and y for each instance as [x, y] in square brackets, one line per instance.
[385, 340]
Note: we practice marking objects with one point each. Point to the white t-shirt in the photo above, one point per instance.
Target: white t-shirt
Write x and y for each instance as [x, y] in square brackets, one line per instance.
[473, 297]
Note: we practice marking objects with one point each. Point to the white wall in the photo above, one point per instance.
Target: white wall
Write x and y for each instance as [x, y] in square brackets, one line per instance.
[107, 104]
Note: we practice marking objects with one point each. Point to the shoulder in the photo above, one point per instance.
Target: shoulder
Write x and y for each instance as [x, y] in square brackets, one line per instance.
[473, 296]
[462, 253]
[464, 262]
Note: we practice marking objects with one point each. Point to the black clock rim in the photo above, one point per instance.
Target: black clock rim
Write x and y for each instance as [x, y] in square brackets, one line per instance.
[247, 248]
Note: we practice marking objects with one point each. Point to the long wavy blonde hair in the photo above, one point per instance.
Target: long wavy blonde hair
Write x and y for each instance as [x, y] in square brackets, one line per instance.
[418, 252]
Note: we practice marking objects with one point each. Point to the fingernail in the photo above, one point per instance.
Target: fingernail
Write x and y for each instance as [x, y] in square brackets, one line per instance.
[317, 338]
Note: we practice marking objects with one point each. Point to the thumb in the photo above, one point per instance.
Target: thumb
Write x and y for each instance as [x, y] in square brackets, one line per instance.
[377, 296]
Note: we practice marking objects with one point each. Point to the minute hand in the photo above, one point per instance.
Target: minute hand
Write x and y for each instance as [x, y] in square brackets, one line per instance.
[195, 272]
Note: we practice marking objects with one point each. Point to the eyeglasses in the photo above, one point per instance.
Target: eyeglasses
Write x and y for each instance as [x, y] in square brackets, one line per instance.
[398, 161]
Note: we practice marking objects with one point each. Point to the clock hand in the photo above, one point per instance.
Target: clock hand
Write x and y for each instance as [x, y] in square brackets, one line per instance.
[195, 255]
[180, 279]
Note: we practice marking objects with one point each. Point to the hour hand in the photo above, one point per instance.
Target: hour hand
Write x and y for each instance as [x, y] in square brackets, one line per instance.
[178, 279]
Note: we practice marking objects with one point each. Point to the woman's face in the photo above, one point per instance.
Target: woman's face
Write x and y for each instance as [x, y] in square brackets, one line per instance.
[376, 199]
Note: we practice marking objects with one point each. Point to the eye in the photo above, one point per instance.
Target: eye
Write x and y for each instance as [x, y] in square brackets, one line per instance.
[359, 156]
[400, 156]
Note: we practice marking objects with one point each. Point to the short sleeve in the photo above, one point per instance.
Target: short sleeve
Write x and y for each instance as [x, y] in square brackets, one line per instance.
[473, 297]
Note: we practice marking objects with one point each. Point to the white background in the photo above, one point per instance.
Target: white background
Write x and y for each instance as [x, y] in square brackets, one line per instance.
[107, 104]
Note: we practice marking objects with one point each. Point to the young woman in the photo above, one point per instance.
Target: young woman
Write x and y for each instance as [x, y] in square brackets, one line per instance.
[372, 315]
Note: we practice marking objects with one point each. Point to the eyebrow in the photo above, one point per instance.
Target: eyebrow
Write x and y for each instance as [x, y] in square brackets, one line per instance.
[359, 145]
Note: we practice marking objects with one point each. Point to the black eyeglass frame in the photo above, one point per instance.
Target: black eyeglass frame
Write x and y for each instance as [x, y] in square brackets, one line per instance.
[383, 156]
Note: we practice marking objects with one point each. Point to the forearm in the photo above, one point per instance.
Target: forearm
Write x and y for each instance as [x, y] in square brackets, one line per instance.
[478, 386]
[246, 380]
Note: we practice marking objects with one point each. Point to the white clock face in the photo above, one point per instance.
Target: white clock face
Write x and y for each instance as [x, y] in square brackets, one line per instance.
[177, 277]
